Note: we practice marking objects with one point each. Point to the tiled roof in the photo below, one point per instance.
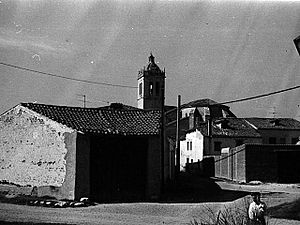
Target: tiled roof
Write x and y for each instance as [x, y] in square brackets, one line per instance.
[102, 120]
[200, 103]
[275, 123]
[120, 106]
[230, 127]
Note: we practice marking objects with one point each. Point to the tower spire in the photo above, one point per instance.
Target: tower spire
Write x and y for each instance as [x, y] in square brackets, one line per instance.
[151, 85]
[151, 58]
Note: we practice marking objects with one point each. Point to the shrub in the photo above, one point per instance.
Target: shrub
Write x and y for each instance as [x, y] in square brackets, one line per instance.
[229, 215]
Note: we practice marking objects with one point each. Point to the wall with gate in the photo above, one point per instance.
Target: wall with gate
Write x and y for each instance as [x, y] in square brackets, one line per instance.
[232, 165]
[266, 163]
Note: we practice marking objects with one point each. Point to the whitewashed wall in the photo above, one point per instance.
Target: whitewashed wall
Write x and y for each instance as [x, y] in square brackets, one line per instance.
[32, 149]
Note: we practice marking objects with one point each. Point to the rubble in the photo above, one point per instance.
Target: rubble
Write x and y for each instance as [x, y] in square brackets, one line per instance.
[61, 203]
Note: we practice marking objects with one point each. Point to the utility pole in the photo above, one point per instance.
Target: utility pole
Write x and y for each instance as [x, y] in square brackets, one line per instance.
[177, 168]
[162, 138]
[209, 131]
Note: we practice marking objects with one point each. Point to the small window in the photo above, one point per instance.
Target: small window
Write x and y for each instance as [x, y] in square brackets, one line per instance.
[140, 89]
[157, 88]
[282, 141]
[187, 160]
[272, 140]
[187, 145]
[217, 146]
[191, 145]
[151, 88]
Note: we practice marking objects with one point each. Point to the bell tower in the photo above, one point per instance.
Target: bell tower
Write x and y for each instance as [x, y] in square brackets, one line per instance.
[151, 86]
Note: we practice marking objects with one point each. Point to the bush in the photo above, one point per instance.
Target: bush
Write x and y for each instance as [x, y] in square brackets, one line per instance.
[234, 215]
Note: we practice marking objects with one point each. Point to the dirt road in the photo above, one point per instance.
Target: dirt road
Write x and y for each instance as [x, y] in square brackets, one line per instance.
[148, 213]
[133, 213]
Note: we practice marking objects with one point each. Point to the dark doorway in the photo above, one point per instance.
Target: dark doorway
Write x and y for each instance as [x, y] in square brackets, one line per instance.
[288, 167]
[118, 168]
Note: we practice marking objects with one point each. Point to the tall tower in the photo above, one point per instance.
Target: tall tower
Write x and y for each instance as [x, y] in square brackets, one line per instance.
[151, 86]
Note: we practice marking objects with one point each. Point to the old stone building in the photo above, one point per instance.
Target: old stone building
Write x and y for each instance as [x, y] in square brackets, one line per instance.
[107, 154]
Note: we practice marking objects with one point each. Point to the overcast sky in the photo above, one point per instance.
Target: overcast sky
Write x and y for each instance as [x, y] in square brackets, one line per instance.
[222, 50]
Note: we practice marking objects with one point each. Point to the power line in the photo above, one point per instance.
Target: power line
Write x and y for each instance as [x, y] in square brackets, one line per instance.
[125, 86]
[67, 78]
[260, 96]
[245, 99]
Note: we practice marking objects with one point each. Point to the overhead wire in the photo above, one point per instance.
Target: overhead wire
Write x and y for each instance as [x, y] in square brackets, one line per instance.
[127, 86]
[259, 96]
[243, 99]
[67, 78]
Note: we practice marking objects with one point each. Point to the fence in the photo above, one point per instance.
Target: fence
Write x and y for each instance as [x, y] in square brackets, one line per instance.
[266, 163]
[232, 165]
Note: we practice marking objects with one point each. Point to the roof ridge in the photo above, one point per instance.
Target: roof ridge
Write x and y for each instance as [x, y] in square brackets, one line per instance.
[59, 106]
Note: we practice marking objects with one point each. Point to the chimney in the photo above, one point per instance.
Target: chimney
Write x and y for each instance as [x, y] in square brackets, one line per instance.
[206, 113]
[191, 120]
[194, 118]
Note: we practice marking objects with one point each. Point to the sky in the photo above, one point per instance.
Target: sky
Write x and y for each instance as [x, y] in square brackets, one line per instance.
[222, 50]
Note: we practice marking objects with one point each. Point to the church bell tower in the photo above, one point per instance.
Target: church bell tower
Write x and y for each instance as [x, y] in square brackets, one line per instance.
[151, 86]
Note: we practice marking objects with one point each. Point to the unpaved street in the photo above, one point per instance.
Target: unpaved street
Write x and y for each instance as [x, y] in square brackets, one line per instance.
[149, 213]
[133, 213]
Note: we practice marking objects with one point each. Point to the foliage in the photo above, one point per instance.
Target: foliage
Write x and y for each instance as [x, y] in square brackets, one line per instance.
[229, 215]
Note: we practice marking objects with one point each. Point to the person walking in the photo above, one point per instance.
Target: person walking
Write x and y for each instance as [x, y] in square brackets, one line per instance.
[257, 210]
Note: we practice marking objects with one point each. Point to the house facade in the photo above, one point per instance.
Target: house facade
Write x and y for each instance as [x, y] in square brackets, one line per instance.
[191, 148]
[106, 154]
[216, 137]
[276, 130]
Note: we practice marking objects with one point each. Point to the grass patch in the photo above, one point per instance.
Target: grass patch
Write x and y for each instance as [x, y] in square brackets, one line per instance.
[235, 214]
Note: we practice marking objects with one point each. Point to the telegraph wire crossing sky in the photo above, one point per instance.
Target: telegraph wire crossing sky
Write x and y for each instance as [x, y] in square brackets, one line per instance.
[222, 50]
[63, 77]
[124, 86]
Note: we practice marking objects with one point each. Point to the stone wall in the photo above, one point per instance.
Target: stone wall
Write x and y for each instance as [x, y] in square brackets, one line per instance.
[232, 165]
[266, 163]
[32, 149]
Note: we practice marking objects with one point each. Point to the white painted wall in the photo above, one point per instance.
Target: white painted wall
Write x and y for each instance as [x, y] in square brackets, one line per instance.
[32, 149]
[197, 148]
